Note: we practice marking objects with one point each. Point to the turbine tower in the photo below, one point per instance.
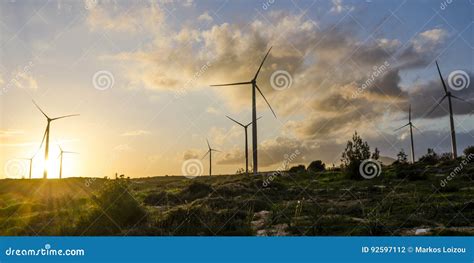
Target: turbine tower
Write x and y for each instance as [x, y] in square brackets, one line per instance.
[411, 134]
[61, 154]
[30, 160]
[246, 143]
[451, 118]
[210, 156]
[46, 136]
[255, 87]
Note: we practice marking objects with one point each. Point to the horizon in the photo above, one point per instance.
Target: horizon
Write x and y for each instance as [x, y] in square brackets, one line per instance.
[139, 75]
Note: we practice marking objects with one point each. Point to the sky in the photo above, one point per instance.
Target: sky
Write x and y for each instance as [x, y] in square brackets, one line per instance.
[139, 75]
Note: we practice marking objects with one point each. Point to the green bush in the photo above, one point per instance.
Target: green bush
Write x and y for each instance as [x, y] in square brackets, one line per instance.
[469, 150]
[114, 210]
[297, 169]
[410, 172]
[316, 166]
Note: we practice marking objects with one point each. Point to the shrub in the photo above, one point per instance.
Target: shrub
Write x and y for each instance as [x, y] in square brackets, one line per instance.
[402, 157]
[355, 153]
[316, 166]
[297, 169]
[410, 172]
[469, 150]
[115, 209]
[195, 191]
[431, 157]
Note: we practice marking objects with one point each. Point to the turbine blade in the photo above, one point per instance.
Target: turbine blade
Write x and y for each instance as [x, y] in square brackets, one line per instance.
[216, 150]
[261, 93]
[441, 77]
[42, 141]
[402, 127]
[66, 116]
[70, 152]
[259, 68]
[252, 121]
[205, 154]
[232, 84]
[235, 121]
[40, 109]
[436, 106]
[456, 97]
[409, 114]
[416, 128]
[208, 145]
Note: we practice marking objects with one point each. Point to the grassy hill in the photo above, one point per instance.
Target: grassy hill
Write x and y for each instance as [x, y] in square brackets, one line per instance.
[400, 201]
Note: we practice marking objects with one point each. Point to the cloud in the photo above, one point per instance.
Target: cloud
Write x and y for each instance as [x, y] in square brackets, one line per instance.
[135, 133]
[338, 7]
[325, 76]
[143, 17]
[191, 154]
[205, 17]
[429, 39]
[122, 148]
[213, 110]
[11, 133]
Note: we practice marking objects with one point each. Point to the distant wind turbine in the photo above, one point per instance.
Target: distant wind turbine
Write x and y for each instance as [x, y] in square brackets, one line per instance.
[46, 136]
[246, 143]
[451, 118]
[30, 160]
[61, 154]
[210, 156]
[253, 82]
[411, 134]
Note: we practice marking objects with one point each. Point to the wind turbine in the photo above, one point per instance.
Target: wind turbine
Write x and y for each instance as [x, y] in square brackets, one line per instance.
[61, 154]
[411, 134]
[253, 82]
[451, 119]
[46, 136]
[30, 160]
[210, 156]
[246, 143]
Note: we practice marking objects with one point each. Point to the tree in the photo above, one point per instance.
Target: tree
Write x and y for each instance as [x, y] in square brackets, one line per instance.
[469, 150]
[376, 154]
[316, 166]
[402, 157]
[356, 151]
[431, 157]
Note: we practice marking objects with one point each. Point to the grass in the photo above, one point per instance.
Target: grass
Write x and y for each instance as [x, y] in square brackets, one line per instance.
[398, 202]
